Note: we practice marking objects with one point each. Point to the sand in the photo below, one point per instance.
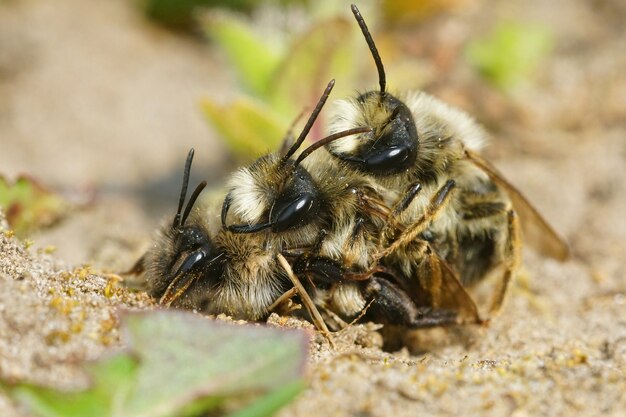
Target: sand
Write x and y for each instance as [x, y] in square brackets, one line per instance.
[78, 112]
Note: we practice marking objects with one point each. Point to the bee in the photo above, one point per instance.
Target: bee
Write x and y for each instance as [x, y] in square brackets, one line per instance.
[198, 262]
[328, 220]
[279, 205]
[416, 146]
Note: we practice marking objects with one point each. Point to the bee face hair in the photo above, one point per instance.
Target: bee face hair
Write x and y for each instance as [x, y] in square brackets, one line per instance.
[194, 265]
[183, 251]
[278, 196]
[276, 192]
[392, 145]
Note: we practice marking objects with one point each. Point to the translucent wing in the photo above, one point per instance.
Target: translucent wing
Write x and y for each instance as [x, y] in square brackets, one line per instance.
[452, 295]
[536, 230]
[435, 285]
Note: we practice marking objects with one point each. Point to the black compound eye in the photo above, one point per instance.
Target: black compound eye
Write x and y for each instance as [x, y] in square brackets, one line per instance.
[394, 146]
[396, 149]
[391, 159]
[297, 205]
[294, 213]
[194, 250]
[190, 261]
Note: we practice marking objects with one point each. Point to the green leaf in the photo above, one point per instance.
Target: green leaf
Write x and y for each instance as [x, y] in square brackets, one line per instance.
[510, 53]
[29, 205]
[112, 378]
[51, 403]
[284, 84]
[272, 402]
[254, 59]
[195, 358]
[317, 56]
[249, 127]
[411, 11]
[181, 364]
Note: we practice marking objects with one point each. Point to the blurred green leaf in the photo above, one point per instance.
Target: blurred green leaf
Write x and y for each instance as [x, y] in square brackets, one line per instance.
[314, 58]
[182, 364]
[272, 402]
[414, 11]
[284, 81]
[510, 53]
[113, 378]
[249, 127]
[254, 59]
[29, 205]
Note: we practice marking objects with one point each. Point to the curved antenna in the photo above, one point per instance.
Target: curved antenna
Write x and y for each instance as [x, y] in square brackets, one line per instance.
[183, 192]
[309, 123]
[370, 42]
[192, 201]
[225, 208]
[329, 139]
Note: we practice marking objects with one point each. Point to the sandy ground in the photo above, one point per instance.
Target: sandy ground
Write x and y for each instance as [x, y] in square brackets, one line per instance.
[93, 97]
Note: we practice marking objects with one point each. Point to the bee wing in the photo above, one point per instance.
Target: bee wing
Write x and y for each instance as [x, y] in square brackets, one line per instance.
[535, 228]
[436, 285]
[453, 295]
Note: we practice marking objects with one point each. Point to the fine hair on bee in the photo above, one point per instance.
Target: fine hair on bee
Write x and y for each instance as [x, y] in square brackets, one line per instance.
[204, 262]
[330, 229]
[416, 145]
[199, 262]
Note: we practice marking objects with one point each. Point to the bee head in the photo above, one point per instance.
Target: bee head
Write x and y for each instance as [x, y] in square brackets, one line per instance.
[272, 195]
[392, 145]
[275, 192]
[184, 252]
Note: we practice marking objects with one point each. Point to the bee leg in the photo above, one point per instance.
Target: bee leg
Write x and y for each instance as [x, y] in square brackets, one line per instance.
[138, 267]
[302, 254]
[317, 246]
[512, 247]
[410, 194]
[391, 225]
[356, 231]
[284, 303]
[437, 204]
[371, 203]
[325, 270]
[392, 305]
[133, 277]
[306, 299]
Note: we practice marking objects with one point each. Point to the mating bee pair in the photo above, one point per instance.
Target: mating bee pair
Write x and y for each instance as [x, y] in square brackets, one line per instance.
[394, 221]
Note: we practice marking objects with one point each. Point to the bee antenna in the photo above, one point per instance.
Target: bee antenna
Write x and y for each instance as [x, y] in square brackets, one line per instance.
[370, 42]
[192, 201]
[178, 219]
[309, 123]
[329, 139]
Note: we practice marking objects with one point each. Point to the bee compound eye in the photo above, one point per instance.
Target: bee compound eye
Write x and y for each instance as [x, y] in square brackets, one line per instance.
[390, 160]
[294, 213]
[201, 259]
[190, 261]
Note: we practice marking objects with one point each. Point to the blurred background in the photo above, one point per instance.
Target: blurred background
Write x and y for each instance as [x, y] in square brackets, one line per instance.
[101, 100]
